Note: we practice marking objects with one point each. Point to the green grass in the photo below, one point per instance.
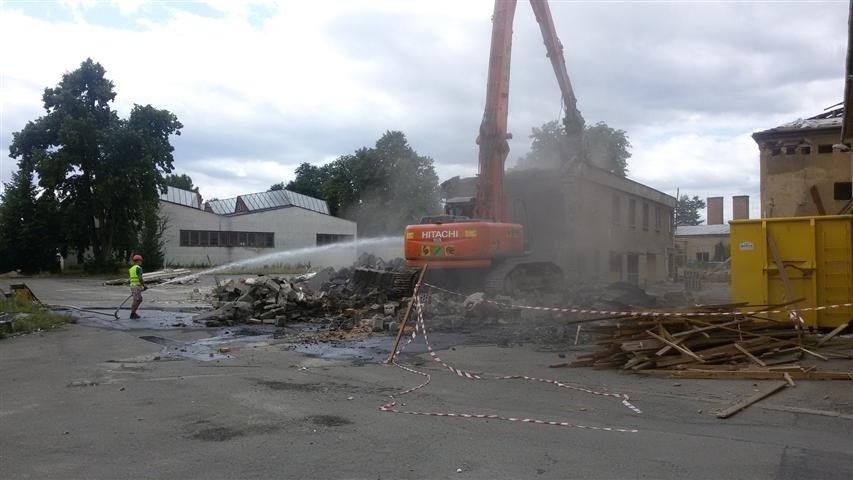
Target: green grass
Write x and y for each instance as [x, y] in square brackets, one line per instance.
[37, 317]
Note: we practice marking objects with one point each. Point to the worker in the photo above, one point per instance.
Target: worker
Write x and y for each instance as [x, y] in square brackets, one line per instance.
[137, 285]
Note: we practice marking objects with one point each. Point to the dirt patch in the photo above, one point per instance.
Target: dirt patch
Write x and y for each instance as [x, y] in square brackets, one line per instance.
[216, 434]
[329, 420]
[294, 387]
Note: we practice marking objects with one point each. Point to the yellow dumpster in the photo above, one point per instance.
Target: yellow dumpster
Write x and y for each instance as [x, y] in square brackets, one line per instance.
[816, 255]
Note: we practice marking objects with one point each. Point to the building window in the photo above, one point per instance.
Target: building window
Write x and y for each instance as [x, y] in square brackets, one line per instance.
[616, 263]
[330, 238]
[632, 213]
[658, 218]
[842, 190]
[825, 148]
[645, 216]
[597, 261]
[805, 150]
[775, 151]
[702, 257]
[616, 210]
[214, 238]
[790, 150]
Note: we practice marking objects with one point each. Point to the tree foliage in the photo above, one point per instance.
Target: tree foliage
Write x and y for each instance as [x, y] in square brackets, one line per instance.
[603, 146]
[687, 210]
[382, 188]
[151, 239]
[102, 172]
[28, 226]
[183, 181]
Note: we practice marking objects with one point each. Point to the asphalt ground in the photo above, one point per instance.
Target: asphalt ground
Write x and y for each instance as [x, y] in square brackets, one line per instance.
[115, 399]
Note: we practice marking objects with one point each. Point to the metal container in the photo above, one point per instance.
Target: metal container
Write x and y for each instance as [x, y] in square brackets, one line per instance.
[817, 258]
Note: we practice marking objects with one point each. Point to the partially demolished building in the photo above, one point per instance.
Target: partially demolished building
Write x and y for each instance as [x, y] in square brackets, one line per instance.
[805, 170]
[593, 223]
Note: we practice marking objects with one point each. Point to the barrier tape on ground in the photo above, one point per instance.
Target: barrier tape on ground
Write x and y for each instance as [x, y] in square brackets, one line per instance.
[651, 313]
[420, 326]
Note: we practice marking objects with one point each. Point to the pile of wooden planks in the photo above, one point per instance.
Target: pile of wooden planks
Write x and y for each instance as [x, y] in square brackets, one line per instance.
[154, 277]
[728, 346]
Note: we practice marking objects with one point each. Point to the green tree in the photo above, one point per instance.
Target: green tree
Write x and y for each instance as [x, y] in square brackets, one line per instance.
[150, 242]
[276, 186]
[182, 181]
[382, 188]
[603, 146]
[28, 225]
[103, 171]
[687, 210]
[608, 148]
[309, 180]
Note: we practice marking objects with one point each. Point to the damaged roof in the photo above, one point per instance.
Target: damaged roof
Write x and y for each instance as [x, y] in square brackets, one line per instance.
[825, 121]
[261, 201]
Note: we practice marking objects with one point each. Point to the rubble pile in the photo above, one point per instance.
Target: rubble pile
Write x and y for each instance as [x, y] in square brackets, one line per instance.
[368, 296]
[341, 298]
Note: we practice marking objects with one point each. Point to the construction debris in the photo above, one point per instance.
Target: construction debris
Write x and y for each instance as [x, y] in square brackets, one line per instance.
[761, 394]
[698, 345]
[153, 277]
[342, 299]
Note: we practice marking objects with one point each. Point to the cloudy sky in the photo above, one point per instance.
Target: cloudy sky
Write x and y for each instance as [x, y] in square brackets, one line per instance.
[264, 86]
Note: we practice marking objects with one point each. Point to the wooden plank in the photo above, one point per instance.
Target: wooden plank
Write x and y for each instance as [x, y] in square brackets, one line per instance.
[749, 355]
[677, 347]
[780, 265]
[789, 379]
[818, 202]
[758, 396]
[814, 354]
[833, 333]
[747, 374]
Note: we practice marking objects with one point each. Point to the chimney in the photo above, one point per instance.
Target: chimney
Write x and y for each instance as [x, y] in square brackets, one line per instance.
[740, 207]
[715, 211]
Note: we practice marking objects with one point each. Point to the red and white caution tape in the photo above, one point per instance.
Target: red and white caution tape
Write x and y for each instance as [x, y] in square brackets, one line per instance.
[651, 313]
[420, 326]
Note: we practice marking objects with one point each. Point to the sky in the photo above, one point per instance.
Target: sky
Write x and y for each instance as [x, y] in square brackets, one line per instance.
[263, 86]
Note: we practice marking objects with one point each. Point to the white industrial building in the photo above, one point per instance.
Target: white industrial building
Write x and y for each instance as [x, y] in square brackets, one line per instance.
[262, 226]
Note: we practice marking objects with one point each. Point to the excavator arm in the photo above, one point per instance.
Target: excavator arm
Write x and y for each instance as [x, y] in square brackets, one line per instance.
[490, 201]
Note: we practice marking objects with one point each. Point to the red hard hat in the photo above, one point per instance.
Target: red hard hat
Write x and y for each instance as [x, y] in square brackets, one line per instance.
[137, 258]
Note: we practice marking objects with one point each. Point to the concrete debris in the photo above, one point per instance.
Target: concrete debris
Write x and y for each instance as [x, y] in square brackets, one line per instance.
[342, 298]
[372, 295]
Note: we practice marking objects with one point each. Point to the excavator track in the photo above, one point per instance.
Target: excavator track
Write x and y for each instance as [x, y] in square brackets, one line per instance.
[513, 276]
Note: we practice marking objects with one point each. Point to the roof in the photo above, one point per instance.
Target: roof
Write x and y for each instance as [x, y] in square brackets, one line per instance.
[694, 230]
[221, 207]
[257, 202]
[828, 120]
[183, 197]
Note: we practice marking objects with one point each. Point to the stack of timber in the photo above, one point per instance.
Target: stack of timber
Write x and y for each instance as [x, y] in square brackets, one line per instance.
[728, 346]
[153, 277]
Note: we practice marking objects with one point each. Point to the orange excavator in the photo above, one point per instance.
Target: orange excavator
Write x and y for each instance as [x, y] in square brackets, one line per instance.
[482, 239]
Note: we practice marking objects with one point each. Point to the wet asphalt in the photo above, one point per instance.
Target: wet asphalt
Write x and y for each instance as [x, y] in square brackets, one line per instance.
[163, 397]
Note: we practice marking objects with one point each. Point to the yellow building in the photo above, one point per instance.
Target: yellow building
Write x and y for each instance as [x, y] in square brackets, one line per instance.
[805, 170]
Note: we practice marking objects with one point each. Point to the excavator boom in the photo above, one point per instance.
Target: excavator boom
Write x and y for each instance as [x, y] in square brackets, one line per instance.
[494, 148]
[490, 240]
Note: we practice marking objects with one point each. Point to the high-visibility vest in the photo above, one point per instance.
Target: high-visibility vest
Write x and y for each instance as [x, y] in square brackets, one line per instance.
[134, 276]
